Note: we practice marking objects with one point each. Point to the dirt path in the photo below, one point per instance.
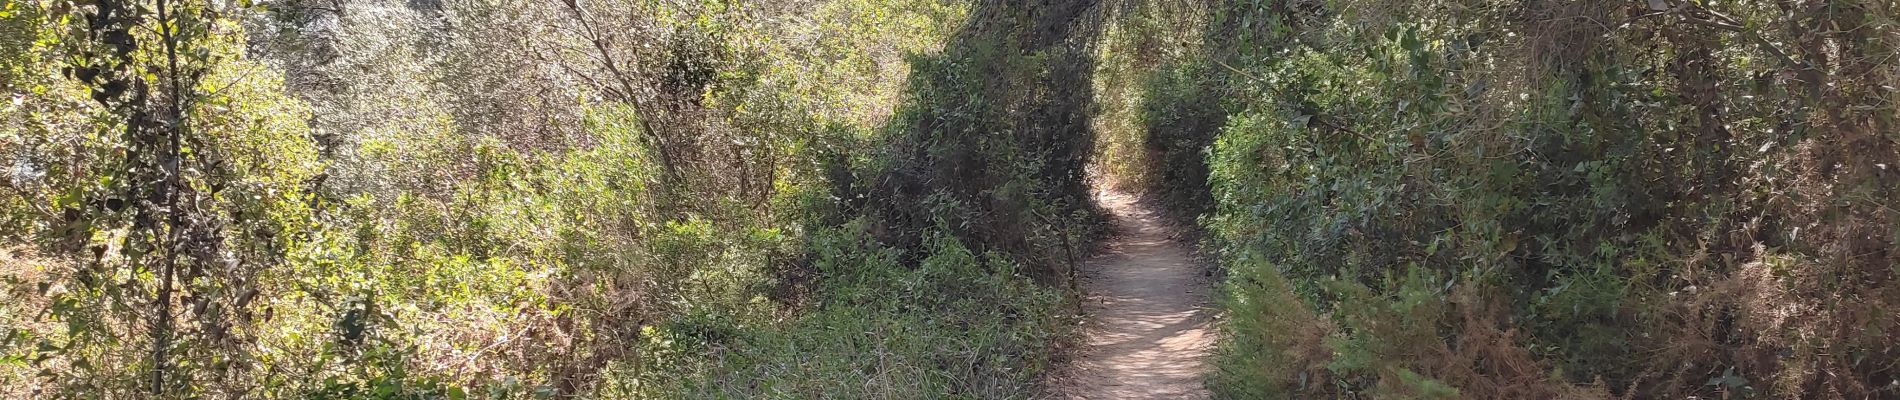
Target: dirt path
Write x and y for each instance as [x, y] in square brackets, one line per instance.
[1147, 330]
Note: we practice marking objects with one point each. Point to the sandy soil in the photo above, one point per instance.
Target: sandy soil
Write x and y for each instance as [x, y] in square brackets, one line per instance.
[1147, 334]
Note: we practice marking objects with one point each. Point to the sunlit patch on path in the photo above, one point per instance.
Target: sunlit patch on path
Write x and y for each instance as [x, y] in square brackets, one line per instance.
[1147, 333]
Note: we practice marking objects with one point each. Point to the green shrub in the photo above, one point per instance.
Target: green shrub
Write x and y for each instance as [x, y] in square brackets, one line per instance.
[958, 325]
[1497, 201]
[494, 200]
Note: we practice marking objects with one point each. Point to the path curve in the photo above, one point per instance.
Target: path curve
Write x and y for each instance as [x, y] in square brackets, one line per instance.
[1147, 333]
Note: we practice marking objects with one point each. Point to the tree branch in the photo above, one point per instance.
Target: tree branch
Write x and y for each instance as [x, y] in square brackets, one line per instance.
[628, 92]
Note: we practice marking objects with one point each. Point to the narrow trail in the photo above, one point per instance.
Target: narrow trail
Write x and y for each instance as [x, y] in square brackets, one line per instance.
[1147, 334]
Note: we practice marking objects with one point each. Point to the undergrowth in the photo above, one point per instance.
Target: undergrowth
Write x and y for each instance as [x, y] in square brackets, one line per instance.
[593, 199]
[959, 325]
[1553, 200]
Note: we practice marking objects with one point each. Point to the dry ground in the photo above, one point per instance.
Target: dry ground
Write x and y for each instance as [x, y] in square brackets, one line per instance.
[1147, 333]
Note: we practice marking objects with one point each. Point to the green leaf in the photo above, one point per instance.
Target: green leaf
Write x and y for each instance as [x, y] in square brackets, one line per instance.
[1410, 41]
[68, 198]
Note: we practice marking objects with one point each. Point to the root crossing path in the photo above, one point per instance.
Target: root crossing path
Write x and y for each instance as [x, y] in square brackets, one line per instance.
[1146, 335]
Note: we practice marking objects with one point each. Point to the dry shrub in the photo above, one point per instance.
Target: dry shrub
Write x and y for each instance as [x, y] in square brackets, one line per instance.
[1464, 347]
[1487, 359]
[1276, 344]
[1403, 344]
[1796, 297]
[1786, 327]
[1715, 179]
[1561, 36]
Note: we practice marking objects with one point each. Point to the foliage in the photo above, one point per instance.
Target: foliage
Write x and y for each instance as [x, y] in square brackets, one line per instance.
[403, 199]
[629, 198]
[1551, 199]
[995, 133]
[959, 324]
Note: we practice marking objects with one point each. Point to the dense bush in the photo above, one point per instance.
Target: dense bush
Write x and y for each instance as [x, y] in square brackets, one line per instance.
[851, 198]
[413, 199]
[958, 324]
[1557, 199]
[993, 143]
[1161, 103]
